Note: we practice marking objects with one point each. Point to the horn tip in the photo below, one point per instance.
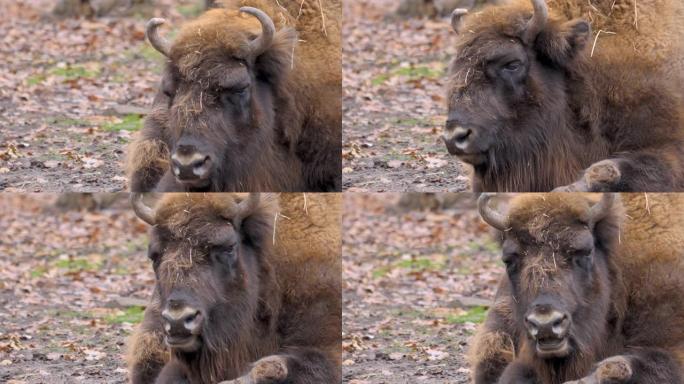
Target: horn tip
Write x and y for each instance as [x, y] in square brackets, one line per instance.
[155, 21]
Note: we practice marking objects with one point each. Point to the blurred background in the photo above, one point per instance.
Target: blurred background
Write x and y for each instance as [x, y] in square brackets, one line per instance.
[420, 271]
[74, 280]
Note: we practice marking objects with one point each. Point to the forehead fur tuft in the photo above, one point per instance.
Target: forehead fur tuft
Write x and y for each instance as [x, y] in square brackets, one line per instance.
[537, 212]
[223, 32]
[177, 211]
[509, 19]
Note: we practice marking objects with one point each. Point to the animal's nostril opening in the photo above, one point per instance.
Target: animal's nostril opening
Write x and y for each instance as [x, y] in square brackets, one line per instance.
[462, 137]
[192, 317]
[560, 321]
[201, 163]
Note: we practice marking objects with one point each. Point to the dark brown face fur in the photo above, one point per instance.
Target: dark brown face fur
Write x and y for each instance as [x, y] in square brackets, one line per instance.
[558, 266]
[507, 92]
[220, 100]
[209, 273]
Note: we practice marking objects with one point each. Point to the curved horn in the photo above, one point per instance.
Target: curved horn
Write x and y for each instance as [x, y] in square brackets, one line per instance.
[143, 211]
[159, 43]
[602, 208]
[457, 18]
[538, 20]
[263, 42]
[492, 217]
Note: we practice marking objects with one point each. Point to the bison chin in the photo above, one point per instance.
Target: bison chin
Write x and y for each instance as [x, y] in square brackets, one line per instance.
[552, 348]
[185, 344]
[548, 331]
[470, 145]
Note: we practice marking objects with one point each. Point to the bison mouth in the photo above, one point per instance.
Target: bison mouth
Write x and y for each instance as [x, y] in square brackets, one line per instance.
[547, 348]
[473, 158]
[468, 155]
[190, 343]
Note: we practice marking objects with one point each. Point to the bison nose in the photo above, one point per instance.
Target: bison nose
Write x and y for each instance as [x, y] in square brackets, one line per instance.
[180, 319]
[190, 164]
[457, 138]
[545, 322]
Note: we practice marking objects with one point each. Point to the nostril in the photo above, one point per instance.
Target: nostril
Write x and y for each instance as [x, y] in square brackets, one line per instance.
[190, 318]
[192, 321]
[462, 136]
[559, 322]
[201, 163]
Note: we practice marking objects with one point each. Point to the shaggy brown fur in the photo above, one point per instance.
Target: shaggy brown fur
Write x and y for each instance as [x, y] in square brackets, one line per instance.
[285, 137]
[624, 300]
[279, 317]
[546, 114]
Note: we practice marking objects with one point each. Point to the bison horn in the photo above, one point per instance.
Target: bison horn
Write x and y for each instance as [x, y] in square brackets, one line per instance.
[492, 217]
[602, 208]
[263, 42]
[159, 43]
[538, 20]
[143, 211]
[457, 18]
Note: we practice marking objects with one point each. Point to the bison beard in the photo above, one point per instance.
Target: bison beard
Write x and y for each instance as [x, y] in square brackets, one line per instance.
[242, 105]
[228, 305]
[592, 292]
[536, 105]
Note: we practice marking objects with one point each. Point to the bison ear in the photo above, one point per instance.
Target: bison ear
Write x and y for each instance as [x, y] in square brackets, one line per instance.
[607, 228]
[277, 59]
[561, 43]
[256, 227]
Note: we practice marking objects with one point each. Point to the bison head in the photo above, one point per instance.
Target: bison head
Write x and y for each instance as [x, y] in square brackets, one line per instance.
[207, 252]
[557, 249]
[216, 107]
[507, 81]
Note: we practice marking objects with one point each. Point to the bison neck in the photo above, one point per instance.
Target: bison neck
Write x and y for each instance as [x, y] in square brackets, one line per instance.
[546, 151]
[231, 360]
[561, 371]
[540, 166]
[272, 168]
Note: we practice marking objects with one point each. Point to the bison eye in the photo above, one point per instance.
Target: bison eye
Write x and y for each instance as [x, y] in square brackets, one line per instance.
[510, 259]
[153, 251]
[234, 96]
[224, 255]
[512, 66]
[582, 258]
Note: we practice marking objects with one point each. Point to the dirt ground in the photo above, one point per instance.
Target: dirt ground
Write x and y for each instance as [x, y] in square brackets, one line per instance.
[405, 276]
[394, 104]
[71, 91]
[71, 285]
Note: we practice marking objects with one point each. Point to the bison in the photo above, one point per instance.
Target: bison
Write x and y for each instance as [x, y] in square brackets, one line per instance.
[592, 292]
[247, 290]
[537, 103]
[250, 101]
